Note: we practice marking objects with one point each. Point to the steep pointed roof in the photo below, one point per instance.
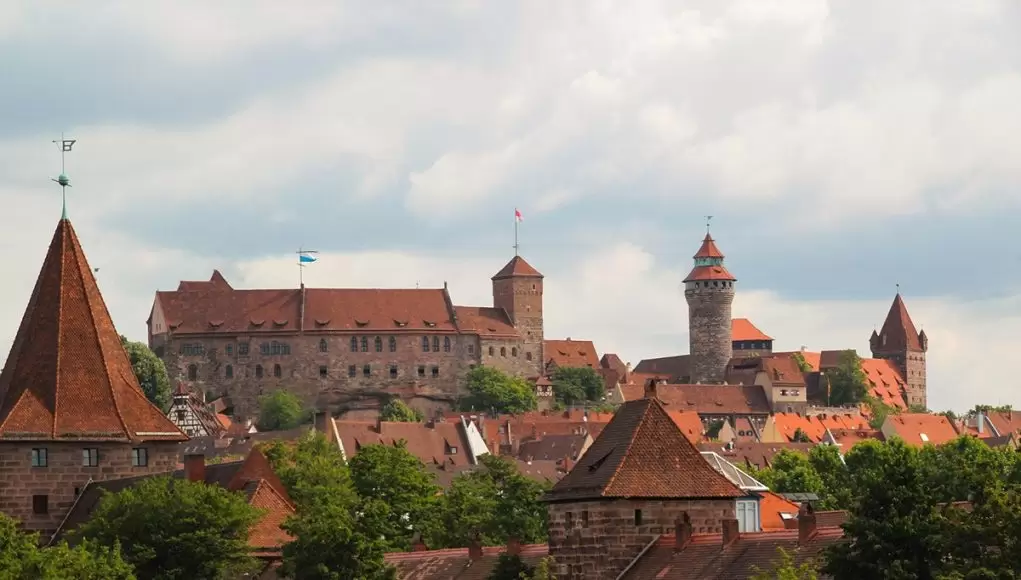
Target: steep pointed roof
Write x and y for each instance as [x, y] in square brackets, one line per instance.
[708, 249]
[898, 331]
[67, 376]
[517, 267]
[709, 264]
[642, 453]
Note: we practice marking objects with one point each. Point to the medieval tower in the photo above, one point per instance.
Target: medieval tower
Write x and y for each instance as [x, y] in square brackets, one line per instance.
[709, 290]
[517, 289]
[902, 345]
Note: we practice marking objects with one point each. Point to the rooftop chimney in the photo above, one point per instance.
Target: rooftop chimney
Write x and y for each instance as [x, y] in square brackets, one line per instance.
[682, 531]
[730, 533]
[513, 546]
[195, 467]
[475, 548]
[980, 420]
[806, 523]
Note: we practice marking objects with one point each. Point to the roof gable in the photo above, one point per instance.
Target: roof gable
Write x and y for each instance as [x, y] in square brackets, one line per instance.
[571, 353]
[642, 453]
[68, 375]
[898, 331]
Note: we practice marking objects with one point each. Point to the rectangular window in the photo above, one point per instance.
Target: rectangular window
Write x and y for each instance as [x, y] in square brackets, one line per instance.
[139, 457]
[39, 457]
[367, 371]
[471, 348]
[638, 517]
[393, 371]
[90, 457]
[421, 371]
[436, 372]
[243, 348]
[569, 520]
[352, 371]
[324, 372]
[584, 518]
[40, 504]
[229, 349]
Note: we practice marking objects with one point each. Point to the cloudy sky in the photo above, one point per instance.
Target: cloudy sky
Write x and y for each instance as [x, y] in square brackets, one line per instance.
[843, 147]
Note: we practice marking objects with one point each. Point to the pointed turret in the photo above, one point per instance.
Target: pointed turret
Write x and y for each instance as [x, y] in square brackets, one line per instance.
[898, 331]
[709, 291]
[68, 376]
[709, 263]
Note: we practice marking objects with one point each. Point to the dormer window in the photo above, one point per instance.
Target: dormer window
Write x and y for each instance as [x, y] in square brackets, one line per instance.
[429, 323]
[361, 323]
[400, 323]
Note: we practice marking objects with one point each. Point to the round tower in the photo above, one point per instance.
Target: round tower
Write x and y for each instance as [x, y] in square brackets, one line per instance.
[709, 290]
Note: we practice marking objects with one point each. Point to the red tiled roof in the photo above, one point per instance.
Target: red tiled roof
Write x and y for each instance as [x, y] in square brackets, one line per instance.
[571, 353]
[68, 375]
[432, 443]
[756, 455]
[689, 423]
[885, 381]
[898, 330]
[715, 399]
[1005, 423]
[701, 273]
[485, 321]
[770, 508]
[266, 533]
[787, 424]
[743, 329]
[642, 453]
[783, 369]
[517, 267]
[708, 249]
[848, 438]
[812, 358]
[911, 427]
[456, 564]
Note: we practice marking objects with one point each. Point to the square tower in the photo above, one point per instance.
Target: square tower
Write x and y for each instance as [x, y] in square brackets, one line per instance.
[899, 343]
[517, 289]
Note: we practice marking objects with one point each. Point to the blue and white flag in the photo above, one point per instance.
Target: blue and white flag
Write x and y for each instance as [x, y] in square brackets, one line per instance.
[306, 258]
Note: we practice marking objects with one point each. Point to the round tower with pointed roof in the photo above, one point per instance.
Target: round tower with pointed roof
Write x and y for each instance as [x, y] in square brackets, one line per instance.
[709, 290]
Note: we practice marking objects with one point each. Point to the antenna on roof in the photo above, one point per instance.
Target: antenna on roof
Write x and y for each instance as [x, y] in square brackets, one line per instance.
[62, 179]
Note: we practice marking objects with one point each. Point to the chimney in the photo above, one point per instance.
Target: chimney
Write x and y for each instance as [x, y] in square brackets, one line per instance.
[730, 533]
[682, 531]
[806, 523]
[568, 464]
[652, 389]
[475, 548]
[513, 546]
[195, 467]
[980, 420]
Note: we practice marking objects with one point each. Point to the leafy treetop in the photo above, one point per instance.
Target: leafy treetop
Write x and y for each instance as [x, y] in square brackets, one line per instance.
[150, 372]
[489, 389]
[573, 385]
[847, 380]
[21, 558]
[281, 410]
[398, 411]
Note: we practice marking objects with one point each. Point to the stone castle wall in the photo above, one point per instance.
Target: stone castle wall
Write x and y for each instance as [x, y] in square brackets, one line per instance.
[65, 475]
[596, 540]
[709, 329]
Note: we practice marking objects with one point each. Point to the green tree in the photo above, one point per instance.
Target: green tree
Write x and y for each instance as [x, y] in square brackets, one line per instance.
[847, 380]
[281, 410]
[510, 567]
[573, 385]
[489, 389]
[313, 470]
[786, 568]
[878, 411]
[916, 408]
[543, 570]
[799, 359]
[398, 411]
[327, 547]
[398, 495]
[791, 472]
[176, 529]
[21, 558]
[992, 409]
[151, 373]
[800, 436]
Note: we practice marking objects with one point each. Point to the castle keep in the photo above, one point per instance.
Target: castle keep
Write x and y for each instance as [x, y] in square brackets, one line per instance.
[709, 290]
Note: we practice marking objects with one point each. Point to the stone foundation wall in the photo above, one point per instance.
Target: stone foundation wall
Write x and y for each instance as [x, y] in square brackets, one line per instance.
[596, 540]
[65, 475]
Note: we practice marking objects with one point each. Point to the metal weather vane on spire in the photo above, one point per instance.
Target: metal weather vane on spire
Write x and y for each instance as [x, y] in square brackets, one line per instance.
[708, 220]
[63, 180]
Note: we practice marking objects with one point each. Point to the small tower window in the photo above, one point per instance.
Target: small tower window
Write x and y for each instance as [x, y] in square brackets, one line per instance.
[491, 351]
[352, 371]
[421, 370]
[323, 347]
[503, 351]
[436, 372]
[367, 371]
[354, 344]
[638, 517]
[528, 355]
[393, 371]
[446, 344]
[229, 372]
[193, 372]
[393, 344]
[258, 371]
[514, 351]
[378, 343]
[229, 349]
[277, 371]
[324, 372]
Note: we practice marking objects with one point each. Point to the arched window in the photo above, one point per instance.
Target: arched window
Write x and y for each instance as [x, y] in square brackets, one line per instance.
[503, 351]
[229, 372]
[277, 371]
[258, 371]
[365, 344]
[393, 344]
[491, 351]
[446, 344]
[229, 349]
[379, 344]
[354, 344]
[436, 344]
[425, 344]
[322, 345]
[528, 356]
[514, 351]
[193, 372]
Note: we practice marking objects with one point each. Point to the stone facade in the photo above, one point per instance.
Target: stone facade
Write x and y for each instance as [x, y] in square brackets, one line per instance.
[24, 488]
[709, 328]
[911, 365]
[596, 540]
[521, 298]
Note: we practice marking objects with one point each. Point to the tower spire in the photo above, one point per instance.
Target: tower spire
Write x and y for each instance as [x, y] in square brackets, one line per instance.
[62, 179]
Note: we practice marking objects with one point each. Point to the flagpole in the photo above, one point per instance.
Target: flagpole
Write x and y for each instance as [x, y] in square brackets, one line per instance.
[301, 265]
[515, 234]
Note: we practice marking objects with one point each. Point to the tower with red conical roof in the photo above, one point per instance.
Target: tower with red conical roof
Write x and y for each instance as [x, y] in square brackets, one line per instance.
[901, 344]
[709, 290]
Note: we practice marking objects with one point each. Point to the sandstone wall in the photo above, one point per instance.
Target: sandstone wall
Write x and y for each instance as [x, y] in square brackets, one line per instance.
[709, 330]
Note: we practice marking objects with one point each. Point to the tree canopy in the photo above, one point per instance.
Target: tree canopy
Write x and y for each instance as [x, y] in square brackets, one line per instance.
[175, 529]
[574, 385]
[398, 411]
[21, 558]
[490, 389]
[847, 380]
[151, 373]
[281, 410]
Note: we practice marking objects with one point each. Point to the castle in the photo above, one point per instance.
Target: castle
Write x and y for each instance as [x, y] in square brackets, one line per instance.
[345, 349]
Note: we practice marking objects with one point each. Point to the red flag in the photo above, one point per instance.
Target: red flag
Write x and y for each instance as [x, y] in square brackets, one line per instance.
[517, 215]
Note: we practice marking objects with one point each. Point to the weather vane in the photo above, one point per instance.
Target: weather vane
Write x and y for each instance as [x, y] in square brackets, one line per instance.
[708, 219]
[62, 180]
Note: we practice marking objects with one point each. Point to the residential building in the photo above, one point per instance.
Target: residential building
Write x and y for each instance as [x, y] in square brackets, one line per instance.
[71, 409]
[919, 429]
[346, 349]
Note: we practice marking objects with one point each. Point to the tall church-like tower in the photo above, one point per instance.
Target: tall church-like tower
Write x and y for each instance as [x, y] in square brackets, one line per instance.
[709, 290]
[902, 345]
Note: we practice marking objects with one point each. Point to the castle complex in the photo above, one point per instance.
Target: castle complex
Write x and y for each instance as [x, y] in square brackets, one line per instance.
[346, 349]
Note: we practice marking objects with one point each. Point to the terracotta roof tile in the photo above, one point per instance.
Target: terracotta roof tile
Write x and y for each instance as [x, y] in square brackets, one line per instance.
[787, 424]
[885, 381]
[703, 273]
[642, 453]
[770, 508]
[757, 455]
[267, 533]
[848, 438]
[485, 321]
[571, 353]
[67, 375]
[708, 249]
[715, 399]
[920, 429]
[743, 329]
[433, 443]
[552, 447]
[690, 425]
[898, 330]
[1005, 423]
[517, 267]
[455, 563]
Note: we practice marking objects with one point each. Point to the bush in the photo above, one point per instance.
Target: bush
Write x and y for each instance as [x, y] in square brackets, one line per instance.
[281, 410]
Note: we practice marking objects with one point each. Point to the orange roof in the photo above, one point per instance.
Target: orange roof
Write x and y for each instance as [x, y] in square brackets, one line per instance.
[885, 381]
[1005, 423]
[68, 375]
[812, 358]
[436, 443]
[701, 273]
[484, 321]
[848, 438]
[571, 353]
[708, 248]
[920, 428]
[689, 423]
[781, 368]
[266, 533]
[743, 329]
[770, 508]
[517, 267]
[787, 424]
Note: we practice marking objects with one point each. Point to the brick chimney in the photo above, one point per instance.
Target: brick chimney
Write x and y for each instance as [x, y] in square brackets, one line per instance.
[806, 523]
[513, 546]
[730, 533]
[682, 531]
[475, 548]
[652, 389]
[195, 467]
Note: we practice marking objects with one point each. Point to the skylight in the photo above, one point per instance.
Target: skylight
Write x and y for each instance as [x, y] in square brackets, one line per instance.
[924, 437]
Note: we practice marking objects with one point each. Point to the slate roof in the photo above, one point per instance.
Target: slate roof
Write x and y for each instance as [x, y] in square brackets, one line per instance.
[68, 375]
[642, 453]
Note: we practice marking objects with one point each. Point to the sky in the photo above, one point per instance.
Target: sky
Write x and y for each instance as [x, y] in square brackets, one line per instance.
[842, 148]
